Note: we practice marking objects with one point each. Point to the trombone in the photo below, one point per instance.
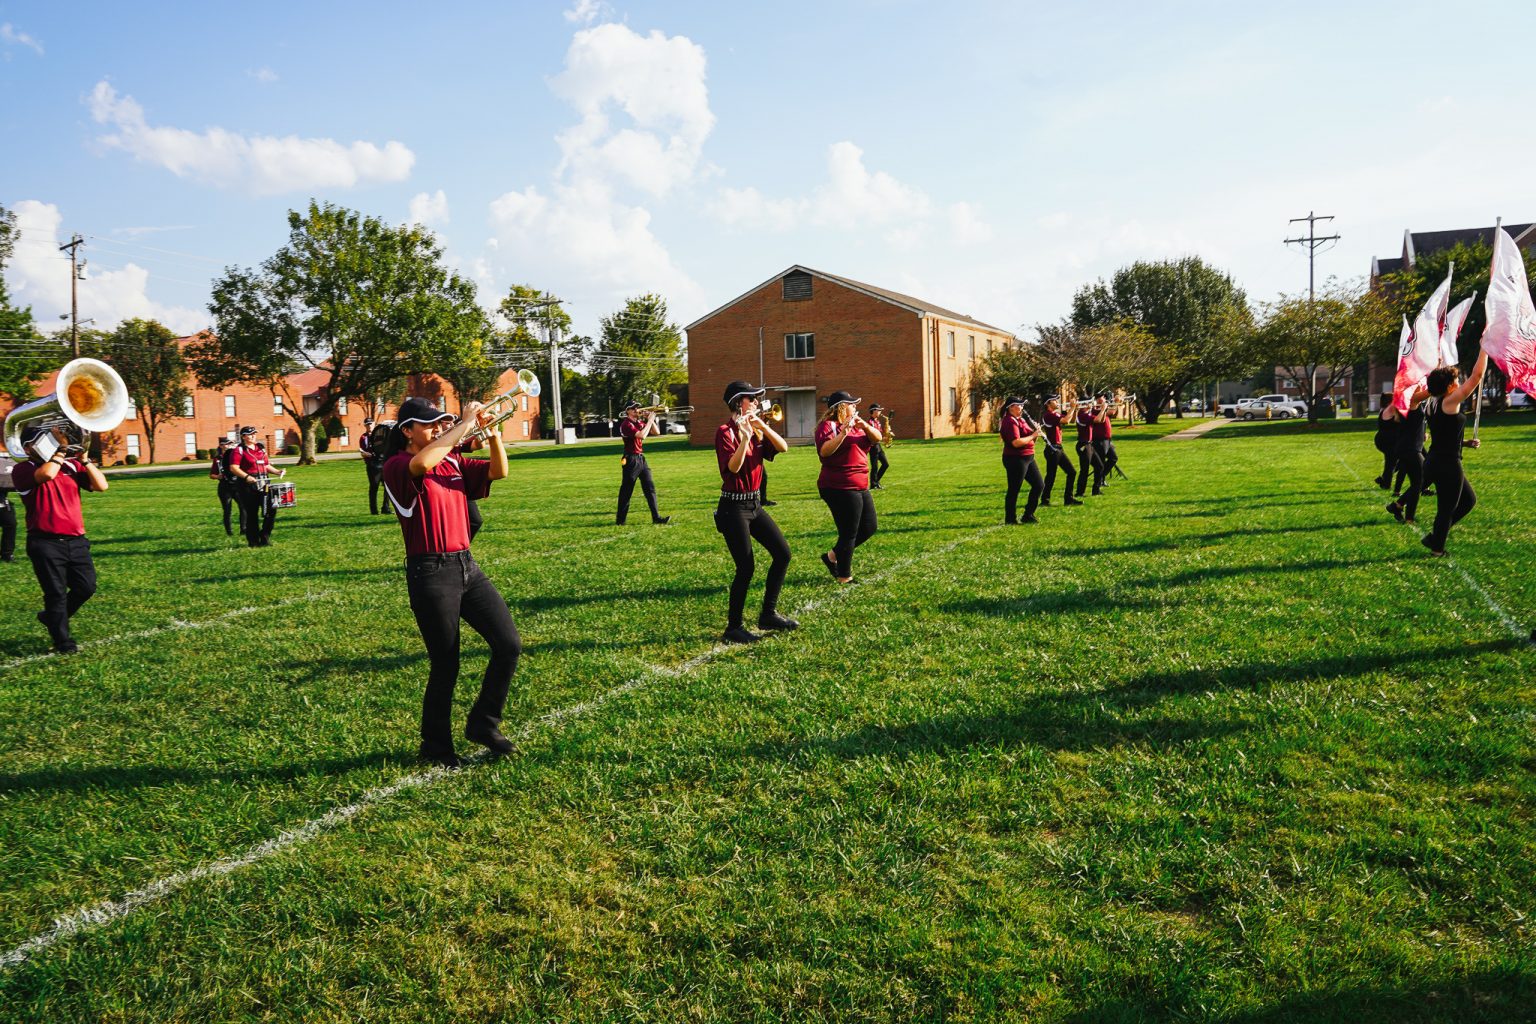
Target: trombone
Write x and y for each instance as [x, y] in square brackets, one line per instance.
[666, 410]
[527, 384]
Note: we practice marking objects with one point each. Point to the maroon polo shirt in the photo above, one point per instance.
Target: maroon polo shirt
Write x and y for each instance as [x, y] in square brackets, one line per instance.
[749, 477]
[634, 436]
[1102, 431]
[1015, 427]
[846, 469]
[1052, 423]
[53, 506]
[251, 459]
[1084, 420]
[433, 509]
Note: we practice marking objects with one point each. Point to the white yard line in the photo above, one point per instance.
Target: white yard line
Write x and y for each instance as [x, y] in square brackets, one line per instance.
[101, 914]
[1477, 588]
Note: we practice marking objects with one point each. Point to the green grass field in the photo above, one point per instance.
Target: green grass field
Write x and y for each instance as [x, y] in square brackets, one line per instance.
[1225, 744]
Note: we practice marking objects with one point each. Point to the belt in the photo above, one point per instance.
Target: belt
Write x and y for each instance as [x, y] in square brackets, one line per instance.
[45, 535]
[439, 557]
[739, 495]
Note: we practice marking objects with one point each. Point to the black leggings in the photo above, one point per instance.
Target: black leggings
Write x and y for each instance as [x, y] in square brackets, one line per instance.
[444, 590]
[634, 468]
[1055, 457]
[854, 514]
[1412, 465]
[229, 495]
[256, 514]
[1454, 497]
[878, 463]
[1019, 470]
[740, 523]
[1088, 459]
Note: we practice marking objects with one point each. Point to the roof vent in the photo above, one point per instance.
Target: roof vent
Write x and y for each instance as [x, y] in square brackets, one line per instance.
[797, 286]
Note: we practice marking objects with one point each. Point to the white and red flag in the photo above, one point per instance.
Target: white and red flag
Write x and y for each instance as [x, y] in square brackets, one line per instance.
[1510, 337]
[1453, 323]
[1419, 350]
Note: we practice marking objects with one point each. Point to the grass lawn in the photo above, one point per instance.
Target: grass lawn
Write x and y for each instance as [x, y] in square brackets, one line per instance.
[1224, 744]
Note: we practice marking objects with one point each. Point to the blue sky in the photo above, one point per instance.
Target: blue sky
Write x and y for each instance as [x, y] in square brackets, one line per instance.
[989, 157]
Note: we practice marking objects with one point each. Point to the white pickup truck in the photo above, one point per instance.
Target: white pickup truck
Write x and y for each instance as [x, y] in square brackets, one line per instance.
[1278, 407]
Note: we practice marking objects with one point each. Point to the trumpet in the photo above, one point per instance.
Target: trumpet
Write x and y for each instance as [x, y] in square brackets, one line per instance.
[527, 384]
[91, 397]
[666, 410]
[770, 411]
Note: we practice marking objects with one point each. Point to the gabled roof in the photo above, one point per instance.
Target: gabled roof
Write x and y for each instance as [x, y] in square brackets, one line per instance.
[908, 302]
[1422, 243]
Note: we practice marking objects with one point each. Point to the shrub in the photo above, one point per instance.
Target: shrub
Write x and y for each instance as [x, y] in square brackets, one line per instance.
[132, 460]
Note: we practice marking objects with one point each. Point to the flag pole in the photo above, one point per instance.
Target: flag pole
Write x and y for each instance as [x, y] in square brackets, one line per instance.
[1477, 417]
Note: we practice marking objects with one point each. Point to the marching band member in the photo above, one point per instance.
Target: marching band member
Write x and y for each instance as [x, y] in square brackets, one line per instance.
[1388, 424]
[429, 486]
[373, 464]
[1019, 435]
[635, 430]
[742, 443]
[1102, 432]
[1088, 457]
[7, 511]
[843, 438]
[248, 464]
[227, 490]
[1409, 456]
[61, 556]
[1454, 496]
[1055, 454]
[878, 463]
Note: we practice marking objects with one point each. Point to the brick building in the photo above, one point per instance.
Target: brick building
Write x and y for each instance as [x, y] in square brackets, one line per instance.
[212, 414]
[805, 333]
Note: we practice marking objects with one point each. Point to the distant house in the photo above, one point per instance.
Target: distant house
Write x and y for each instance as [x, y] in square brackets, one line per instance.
[805, 333]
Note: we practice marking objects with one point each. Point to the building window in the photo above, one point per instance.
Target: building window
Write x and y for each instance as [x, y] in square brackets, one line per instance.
[951, 344]
[133, 410]
[133, 445]
[954, 402]
[975, 403]
[989, 346]
[277, 440]
[191, 443]
[344, 439]
[277, 404]
[341, 406]
[797, 286]
[800, 346]
[970, 346]
[186, 406]
[229, 405]
[525, 428]
[525, 403]
[229, 435]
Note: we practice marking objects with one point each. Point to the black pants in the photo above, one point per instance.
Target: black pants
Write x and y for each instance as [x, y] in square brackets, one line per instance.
[1454, 496]
[256, 515]
[68, 578]
[634, 468]
[476, 520]
[1088, 459]
[1055, 457]
[854, 514]
[763, 488]
[1411, 464]
[229, 495]
[1020, 470]
[1388, 463]
[7, 529]
[1107, 454]
[878, 464]
[375, 471]
[445, 590]
[740, 523]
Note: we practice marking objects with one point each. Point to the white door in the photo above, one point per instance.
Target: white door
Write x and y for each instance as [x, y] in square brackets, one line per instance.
[800, 413]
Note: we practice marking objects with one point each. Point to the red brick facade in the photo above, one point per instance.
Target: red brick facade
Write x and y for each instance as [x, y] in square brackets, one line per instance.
[217, 414]
[866, 341]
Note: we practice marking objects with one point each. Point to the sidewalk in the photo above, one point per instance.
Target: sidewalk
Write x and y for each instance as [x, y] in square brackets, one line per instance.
[1197, 429]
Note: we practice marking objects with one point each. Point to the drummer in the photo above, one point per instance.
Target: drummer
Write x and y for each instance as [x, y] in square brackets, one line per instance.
[248, 464]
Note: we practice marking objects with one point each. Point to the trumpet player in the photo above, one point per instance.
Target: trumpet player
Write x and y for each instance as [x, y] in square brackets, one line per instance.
[843, 440]
[742, 443]
[1055, 454]
[637, 425]
[429, 486]
[49, 484]
[878, 463]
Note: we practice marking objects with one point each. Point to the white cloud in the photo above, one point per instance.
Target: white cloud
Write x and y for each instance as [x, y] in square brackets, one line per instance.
[40, 279]
[585, 12]
[429, 208]
[266, 76]
[261, 164]
[10, 34]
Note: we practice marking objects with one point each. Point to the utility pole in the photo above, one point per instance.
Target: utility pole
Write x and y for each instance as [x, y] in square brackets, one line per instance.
[76, 275]
[1311, 241]
[554, 365]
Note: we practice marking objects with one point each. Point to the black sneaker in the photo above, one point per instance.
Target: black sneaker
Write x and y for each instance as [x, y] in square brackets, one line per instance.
[876, 487]
[773, 620]
[769, 504]
[1383, 482]
[67, 647]
[1437, 552]
[1045, 502]
[1073, 501]
[492, 739]
[439, 758]
[1029, 519]
[739, 635]
[1396, 510]
[1010, 522]
[1426, 493]
[661, 520]
[831, 565]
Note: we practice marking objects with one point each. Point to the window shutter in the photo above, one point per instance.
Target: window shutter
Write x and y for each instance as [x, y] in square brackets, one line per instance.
[797, 286]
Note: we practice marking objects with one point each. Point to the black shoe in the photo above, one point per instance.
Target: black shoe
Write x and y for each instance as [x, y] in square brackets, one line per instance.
[1396, 510]
[440, 758]
[1045, 502]
[1029, 519]
[661, 520]
[739, 635]
[1073, 501]
[1426, 493]
[618, 522]
[1437, 552]
[1098, 491]
[830, 564]
[492, 739]
[876, 487]
[773, 620]
[769, 504]
[1383, 482]
[1010, 522]
[67, 647]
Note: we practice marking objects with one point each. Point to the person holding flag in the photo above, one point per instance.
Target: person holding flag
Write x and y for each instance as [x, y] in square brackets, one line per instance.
[1510, 337]
[1454, 497]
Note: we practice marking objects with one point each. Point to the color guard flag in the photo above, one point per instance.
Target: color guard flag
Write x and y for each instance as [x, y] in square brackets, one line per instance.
[1419, 351]
[1453, 321]
[1510, 337]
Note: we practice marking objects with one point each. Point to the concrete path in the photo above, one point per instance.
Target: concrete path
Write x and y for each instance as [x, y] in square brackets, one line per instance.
[1197, 429]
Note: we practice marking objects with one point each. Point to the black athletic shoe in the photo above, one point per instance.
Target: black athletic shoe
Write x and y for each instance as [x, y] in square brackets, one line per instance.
[661, 520]
[1437, 552]
[876, 487]
[1029, 519]
[1046, 501]
[739, 635]
[67, 647]
[1010, 522]
[1426, 493]
[830, 564]
[1073, 501]
[1396, 510]
[1383, 482]
[769, 504]
[773, 620]
[439, 758]
[492, 739]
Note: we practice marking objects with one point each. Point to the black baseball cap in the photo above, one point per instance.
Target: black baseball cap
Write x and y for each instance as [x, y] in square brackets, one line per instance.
[837, 398]
[875, 405]
[367, 422]
[739, 389]
[419, 410]
[247, 431]
[632, 405]
[1012, 400]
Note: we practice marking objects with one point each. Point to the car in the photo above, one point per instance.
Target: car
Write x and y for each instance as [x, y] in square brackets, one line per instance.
[1519, 399]
[675, 427]
[1193, 405]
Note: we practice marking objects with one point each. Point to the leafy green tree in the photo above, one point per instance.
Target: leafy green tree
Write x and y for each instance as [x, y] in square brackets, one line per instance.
[475, 376]
[1197, 314]
[1318, 342]
[639, 353]
[363, 301]
[24, 354]
[535, 320]
[145, 353]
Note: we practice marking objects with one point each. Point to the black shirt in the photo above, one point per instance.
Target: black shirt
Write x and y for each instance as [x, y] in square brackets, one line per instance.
[1410, 437]
[1445, 432]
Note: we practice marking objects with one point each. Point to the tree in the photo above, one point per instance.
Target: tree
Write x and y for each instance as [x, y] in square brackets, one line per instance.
[1318, 342]
[1192, 309]
[475, 376]
[639, 353]
[536, 320]
[365, 302]
[146, 355]
[24, 354]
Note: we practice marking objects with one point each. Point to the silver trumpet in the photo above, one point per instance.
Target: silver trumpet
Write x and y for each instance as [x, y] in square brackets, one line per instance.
[527, 384]
[91, 398]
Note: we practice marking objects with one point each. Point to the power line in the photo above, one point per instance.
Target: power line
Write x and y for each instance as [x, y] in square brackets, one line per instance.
[1311, 241]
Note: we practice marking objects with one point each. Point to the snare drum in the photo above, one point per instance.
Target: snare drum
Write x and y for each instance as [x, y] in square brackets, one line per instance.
[281, 495]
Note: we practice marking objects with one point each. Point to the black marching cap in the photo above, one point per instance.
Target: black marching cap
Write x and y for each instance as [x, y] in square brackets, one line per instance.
[837, 398]
[419, 410]
[739, 388]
